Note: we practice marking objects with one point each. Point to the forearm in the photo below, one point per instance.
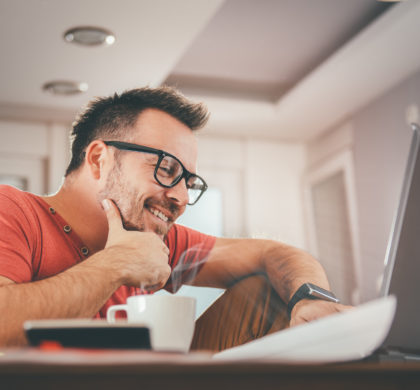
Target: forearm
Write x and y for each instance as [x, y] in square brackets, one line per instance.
[78, 292]
[288, 268]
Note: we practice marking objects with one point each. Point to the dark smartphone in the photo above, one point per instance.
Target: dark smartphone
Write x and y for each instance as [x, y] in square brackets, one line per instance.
[88, 334]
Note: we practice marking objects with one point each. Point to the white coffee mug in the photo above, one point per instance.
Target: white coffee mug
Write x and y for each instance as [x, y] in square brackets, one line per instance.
[170, 319]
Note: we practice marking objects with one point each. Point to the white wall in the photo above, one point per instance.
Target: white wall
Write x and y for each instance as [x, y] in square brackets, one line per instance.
[273, 188]
[40, 148]
[261, 183]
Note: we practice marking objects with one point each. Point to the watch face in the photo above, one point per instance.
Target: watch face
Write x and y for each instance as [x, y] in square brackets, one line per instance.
[320, 293]
[310, 291]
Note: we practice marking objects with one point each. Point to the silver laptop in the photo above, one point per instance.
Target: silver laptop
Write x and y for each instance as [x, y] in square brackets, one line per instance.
[402, 271]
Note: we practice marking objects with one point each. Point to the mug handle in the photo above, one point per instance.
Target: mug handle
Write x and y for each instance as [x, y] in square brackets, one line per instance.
[110, 314]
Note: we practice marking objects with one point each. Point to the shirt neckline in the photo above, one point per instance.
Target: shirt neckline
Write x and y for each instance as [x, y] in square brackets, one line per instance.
[65, 227]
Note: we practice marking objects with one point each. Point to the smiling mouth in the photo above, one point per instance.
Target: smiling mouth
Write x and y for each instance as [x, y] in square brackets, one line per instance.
[158, 214]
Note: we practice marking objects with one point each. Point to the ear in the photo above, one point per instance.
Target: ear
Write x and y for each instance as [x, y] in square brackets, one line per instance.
[97, 158]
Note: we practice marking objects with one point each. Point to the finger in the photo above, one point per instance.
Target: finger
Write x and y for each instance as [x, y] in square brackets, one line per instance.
[156, 286]
[151, 288]
[113, 216]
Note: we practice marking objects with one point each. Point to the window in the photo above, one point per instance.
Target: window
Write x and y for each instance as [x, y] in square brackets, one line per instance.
[207, 215]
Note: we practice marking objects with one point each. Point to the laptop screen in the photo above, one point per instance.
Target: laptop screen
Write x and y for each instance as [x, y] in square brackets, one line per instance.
[402, 272]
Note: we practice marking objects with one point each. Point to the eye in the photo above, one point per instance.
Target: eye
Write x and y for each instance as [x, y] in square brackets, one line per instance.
[169, 167]
[165, 171]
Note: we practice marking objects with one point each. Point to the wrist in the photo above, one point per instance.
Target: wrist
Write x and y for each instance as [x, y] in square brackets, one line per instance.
[309, 291]
[107, 263]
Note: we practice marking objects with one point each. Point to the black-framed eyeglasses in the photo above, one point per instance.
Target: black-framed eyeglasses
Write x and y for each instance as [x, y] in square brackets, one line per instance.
[169, 171]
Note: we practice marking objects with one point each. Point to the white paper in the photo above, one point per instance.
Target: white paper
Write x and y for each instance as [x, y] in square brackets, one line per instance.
[349, 335]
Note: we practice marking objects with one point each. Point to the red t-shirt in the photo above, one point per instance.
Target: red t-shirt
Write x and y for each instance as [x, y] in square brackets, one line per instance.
[36, 243]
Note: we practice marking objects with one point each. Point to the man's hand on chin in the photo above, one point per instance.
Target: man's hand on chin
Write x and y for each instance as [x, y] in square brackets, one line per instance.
[308, 310]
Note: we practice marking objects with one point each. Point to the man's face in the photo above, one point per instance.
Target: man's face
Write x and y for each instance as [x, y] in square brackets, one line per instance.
[143, 203]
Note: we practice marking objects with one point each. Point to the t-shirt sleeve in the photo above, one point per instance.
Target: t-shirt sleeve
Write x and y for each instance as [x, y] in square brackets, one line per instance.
[15, 241]
[189, 250]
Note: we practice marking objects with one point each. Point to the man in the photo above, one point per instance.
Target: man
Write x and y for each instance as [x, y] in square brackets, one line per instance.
[109, 232]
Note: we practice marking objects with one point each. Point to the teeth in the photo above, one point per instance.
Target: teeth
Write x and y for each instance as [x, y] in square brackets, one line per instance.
[159, 214]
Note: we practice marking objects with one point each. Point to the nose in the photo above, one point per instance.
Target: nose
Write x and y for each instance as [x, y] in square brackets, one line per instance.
[179, 193]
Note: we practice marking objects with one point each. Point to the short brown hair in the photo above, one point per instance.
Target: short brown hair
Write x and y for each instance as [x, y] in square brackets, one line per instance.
[114, 115]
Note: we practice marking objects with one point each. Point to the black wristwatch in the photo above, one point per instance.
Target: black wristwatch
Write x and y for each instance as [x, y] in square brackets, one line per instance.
[310, 291]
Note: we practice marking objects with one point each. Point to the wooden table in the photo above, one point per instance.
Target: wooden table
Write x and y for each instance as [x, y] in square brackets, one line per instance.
[78, 369]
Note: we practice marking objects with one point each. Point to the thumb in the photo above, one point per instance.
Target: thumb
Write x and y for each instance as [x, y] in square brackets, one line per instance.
[113, 216]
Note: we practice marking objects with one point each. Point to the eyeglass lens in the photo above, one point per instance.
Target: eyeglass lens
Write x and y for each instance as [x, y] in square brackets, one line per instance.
[170, 170]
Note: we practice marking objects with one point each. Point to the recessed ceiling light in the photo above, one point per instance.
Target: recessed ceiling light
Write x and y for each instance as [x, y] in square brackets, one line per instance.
[89, 36]
[61, 87]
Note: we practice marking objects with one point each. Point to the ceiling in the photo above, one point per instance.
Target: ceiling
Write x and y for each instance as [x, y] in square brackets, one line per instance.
[260, 49]
[284, 69]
